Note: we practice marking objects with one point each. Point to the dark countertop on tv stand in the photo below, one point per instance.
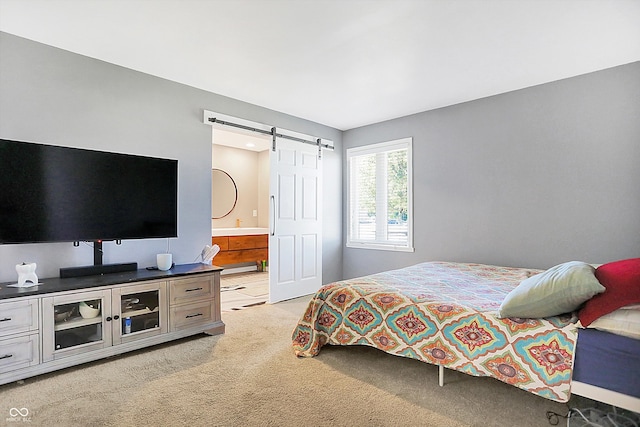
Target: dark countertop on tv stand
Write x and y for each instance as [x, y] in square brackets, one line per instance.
[56, 284]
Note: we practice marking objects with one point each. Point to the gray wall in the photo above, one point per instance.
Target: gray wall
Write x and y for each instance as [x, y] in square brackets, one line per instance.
[529, 178]
[52, 96]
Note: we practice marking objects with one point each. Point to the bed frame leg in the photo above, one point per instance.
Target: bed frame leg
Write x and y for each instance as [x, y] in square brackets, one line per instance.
[440, 375]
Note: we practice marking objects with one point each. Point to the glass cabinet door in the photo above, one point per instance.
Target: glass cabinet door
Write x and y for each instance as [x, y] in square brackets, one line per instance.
[141, 309]
[75, 323]
[72, 329]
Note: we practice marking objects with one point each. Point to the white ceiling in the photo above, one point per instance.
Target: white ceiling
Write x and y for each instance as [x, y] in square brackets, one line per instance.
[342, 63]
[238, 139]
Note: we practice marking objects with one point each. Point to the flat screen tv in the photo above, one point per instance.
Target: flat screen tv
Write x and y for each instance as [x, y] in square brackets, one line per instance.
[58, 194]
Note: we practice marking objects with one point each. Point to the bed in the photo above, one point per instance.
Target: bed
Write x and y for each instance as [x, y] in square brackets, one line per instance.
[607, 368]
[454, 315]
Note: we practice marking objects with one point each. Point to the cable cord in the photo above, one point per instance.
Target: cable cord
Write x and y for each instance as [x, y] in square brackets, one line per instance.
[91, 246]
[554, 417]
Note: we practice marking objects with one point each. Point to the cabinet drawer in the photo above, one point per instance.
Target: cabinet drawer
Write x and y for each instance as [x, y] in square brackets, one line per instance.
[188, 315]
[16, 353]
[248, 242]
[17, 317]
[237, 257]
[192, 289]
[223, 242]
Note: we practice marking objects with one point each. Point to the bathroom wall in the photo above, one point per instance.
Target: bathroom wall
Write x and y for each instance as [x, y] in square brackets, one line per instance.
[242, 166]
[263, 188]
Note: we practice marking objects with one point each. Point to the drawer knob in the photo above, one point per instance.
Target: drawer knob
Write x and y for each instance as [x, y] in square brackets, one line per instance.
[188, 316]
[6, 356]
[6, 319]
[193, 289]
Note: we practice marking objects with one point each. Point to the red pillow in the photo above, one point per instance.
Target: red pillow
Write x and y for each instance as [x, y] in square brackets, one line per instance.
[622, 282]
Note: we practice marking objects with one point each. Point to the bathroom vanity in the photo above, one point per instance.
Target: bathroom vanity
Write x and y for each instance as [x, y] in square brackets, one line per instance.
[240, 245]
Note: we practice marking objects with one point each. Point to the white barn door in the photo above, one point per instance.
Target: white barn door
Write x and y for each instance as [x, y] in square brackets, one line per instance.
[295, 238]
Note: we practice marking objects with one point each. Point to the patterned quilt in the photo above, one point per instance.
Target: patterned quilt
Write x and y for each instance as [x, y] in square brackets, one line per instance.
[445, 314]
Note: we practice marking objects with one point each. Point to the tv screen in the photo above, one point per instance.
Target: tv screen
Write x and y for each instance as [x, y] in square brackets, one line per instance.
[57, 194]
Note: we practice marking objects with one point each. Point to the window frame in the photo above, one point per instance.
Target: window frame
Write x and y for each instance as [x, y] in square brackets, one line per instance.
[378, 148]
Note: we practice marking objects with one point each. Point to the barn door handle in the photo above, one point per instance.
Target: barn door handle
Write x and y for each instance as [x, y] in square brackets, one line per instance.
[273, 215]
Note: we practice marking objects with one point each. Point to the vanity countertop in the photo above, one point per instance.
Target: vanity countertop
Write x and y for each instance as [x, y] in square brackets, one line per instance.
[238, 231]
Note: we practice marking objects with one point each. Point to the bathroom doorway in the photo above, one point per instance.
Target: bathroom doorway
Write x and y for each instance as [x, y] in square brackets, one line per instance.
[294, 208]
[240, 216]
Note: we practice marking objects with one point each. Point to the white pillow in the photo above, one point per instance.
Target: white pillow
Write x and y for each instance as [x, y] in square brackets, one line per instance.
[560, 289]
[624, 321]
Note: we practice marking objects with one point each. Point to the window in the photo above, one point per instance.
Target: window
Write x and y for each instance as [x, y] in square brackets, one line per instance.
[380, 205]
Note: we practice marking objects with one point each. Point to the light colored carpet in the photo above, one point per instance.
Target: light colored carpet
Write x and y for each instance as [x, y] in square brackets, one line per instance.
[250, 377]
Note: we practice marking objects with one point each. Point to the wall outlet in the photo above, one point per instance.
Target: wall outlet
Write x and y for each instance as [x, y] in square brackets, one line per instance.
[255, 212]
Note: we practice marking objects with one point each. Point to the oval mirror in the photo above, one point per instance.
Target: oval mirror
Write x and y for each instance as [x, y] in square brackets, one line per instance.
[224, 194]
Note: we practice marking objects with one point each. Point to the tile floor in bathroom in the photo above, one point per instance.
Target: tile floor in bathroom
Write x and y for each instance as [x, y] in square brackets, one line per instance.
[242, 290]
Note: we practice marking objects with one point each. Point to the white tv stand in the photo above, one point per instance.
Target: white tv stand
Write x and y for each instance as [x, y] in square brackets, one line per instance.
[43, 330]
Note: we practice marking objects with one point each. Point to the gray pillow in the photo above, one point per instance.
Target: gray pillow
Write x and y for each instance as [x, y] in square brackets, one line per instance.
[560, 289]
